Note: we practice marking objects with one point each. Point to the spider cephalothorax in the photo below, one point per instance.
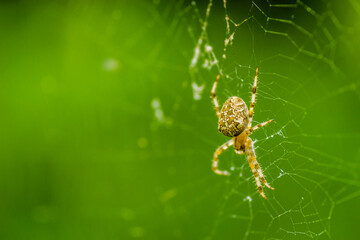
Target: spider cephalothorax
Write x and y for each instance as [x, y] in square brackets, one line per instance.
[235, 121]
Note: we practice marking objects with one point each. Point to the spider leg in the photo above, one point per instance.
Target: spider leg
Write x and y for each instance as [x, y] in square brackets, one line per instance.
[258, 168]
[216, 159]
[255, 167]
[239, 152]
[256, 175]
[260, 125]
[253, 95]
[261, 174]
[213, 96]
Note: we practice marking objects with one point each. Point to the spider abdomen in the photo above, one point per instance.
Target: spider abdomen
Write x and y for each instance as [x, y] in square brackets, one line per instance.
[234, 117]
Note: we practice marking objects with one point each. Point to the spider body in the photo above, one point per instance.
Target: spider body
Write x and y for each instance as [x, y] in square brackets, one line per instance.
[239, 142]
[234, 117]
[235, 121]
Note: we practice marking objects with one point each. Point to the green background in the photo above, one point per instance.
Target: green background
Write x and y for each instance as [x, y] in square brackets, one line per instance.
[84, 154]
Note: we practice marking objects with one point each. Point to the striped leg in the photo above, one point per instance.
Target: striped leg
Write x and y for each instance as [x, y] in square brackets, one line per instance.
[257, 166]
[256, 176]
[253, 95]
[213, 96]
[254, 165]
[215, 162]
[260, 125]
[239, 152]
[262, 177]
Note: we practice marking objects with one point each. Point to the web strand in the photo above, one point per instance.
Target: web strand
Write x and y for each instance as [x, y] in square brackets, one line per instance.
[280, 40]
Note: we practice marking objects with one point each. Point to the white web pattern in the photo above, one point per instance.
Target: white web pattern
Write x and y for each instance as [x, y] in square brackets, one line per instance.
[309, 180]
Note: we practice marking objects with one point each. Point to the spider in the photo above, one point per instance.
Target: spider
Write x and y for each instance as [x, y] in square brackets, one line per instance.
[235, 121]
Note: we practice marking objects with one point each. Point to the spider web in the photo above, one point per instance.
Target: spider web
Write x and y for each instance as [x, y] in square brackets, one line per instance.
[309, 153]
[110, 129]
